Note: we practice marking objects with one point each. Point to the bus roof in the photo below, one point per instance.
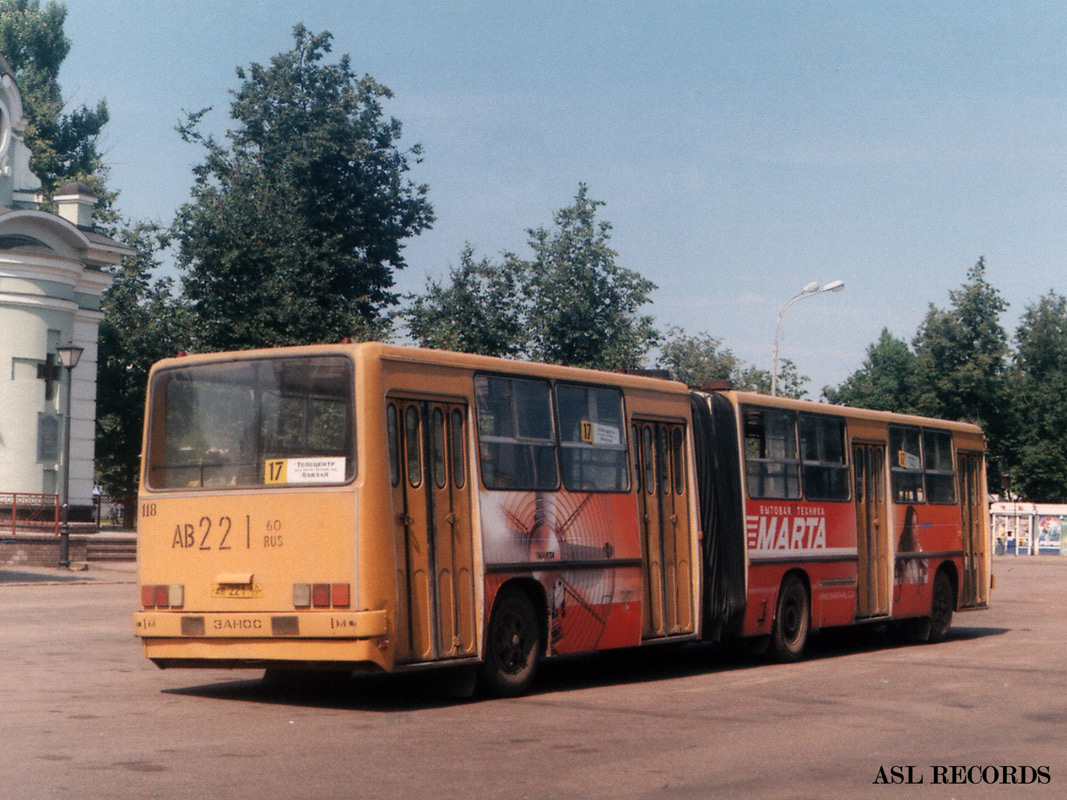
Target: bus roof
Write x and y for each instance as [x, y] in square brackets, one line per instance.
[369, 351]
[753, 398]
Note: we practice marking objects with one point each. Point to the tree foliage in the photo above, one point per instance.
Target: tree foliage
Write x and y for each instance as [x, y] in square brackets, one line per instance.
[143, 322]
[63, 142]
[888, 379]
[1039, 458]
[961, 354]
[297, 224]
[957, 367]
[479, 311]
[583, 307]
[701, 358]
[569, 303]
[698, 358]
[790, 382]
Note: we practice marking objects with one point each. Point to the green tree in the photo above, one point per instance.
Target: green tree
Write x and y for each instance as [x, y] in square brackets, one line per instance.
[479, 311]
[697, 359]
[961, 355]
[296, 227]
[583, 308]
[1038, 449]
[790, 382]
[63, 142]
[701, 358]
[887, 380]
[143, 322]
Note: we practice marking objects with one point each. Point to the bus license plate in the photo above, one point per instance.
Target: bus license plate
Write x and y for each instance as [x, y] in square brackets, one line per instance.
[236, 590]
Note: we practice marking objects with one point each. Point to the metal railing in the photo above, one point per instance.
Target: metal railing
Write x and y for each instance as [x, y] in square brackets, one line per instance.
[29, 511]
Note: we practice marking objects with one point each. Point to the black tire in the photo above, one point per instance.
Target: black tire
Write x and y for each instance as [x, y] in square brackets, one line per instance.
[792, 621]
[941, 607]
[512, 646]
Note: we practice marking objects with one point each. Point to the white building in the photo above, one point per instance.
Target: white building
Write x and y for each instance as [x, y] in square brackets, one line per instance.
[52, 274]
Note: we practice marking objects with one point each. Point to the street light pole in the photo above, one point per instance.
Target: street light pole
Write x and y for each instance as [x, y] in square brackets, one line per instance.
[810, 290]
[69, 355]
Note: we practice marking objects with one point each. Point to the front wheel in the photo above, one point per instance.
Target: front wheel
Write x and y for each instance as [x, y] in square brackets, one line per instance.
[512, 647]
[792, 621]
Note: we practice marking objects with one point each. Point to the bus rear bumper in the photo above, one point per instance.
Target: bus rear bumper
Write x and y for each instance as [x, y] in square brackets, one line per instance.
[355, 641]
[258, 625]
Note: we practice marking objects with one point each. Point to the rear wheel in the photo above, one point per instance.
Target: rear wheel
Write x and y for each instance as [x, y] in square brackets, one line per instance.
[789, 634]
[513, 646]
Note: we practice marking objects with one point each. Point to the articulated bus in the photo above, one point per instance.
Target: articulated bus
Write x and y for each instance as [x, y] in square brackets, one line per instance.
[375, 507]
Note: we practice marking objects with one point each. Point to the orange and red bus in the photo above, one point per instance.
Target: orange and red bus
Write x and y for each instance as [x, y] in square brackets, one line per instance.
[375, 507]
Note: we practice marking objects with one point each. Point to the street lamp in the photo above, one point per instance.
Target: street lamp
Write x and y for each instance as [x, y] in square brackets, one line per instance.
[810, 290]
[69, 355]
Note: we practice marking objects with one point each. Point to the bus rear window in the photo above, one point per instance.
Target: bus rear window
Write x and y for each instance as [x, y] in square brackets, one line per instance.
[252, 423]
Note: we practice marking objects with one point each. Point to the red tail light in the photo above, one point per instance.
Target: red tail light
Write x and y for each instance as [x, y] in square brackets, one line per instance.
[162, 595]
[322, 595]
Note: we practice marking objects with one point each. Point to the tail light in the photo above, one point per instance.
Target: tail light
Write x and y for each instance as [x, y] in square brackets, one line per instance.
[322, 595]
[162, 595]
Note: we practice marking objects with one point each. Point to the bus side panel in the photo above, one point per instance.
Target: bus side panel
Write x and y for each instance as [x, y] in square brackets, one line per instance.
[833, 593]
[584, 551]
[818, 538]
[922, 528]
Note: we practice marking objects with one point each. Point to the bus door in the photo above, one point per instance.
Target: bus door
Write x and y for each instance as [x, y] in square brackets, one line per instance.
[663, 507]
[969, 472]
[872, 530]
[431, 499]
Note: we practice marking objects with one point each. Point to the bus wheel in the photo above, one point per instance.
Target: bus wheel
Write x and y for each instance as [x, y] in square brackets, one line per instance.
[512, 647]
[941, 607]
[792, 621]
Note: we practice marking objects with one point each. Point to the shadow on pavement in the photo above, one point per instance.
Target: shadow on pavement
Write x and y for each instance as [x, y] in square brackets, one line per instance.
[450, 686]
[42, 576]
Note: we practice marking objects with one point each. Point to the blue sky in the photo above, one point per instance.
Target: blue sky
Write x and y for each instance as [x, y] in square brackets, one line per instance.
[743, 149]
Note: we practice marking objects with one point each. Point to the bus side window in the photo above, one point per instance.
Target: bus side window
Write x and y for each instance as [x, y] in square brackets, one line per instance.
[393, 434]
[905, 454]
[824, 471]
[939, 467]
[635, 443]
[459, 467]
[592, 434]
[771, 461]
[678, 448]
[646, 453]
[411, 436]
[440, 479]
[663, 462]
[516, 435]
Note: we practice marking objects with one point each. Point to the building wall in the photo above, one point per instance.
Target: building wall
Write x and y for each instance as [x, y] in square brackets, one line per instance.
[47, 298]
